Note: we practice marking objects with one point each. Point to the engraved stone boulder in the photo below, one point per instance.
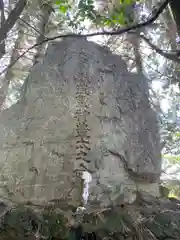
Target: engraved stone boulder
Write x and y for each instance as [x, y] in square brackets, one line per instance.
[81, 111]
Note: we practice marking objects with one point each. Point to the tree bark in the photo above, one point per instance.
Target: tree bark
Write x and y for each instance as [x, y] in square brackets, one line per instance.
[45, 13]
[2, 43]
[17, 73]
[175, 7]
[12, 18]
[14, 74]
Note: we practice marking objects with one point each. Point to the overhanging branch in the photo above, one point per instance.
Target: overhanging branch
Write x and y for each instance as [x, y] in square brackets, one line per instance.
[154, 16]
[174, 56]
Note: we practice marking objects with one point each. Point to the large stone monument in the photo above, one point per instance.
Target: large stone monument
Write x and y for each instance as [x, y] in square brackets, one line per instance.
[81, 111]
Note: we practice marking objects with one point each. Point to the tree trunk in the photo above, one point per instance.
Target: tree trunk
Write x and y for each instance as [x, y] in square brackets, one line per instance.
[46, 11]
[27, 34]
[19, 68]
[175, 6]
[12, 18]
[2, 43]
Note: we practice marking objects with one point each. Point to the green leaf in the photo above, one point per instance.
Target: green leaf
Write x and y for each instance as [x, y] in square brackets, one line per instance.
[129, 2]
[174, 158]
[121, 19]
[177, 134]
[90, 2]
[63, 8]
[58, 2]
[107, 22]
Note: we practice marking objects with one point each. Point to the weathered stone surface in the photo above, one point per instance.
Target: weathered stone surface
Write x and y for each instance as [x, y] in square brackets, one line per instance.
[81, 110]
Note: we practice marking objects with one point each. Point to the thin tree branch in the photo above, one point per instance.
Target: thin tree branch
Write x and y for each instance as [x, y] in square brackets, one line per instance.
[108, 33]
[12, 18]
[29, 25]
[174, 56]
